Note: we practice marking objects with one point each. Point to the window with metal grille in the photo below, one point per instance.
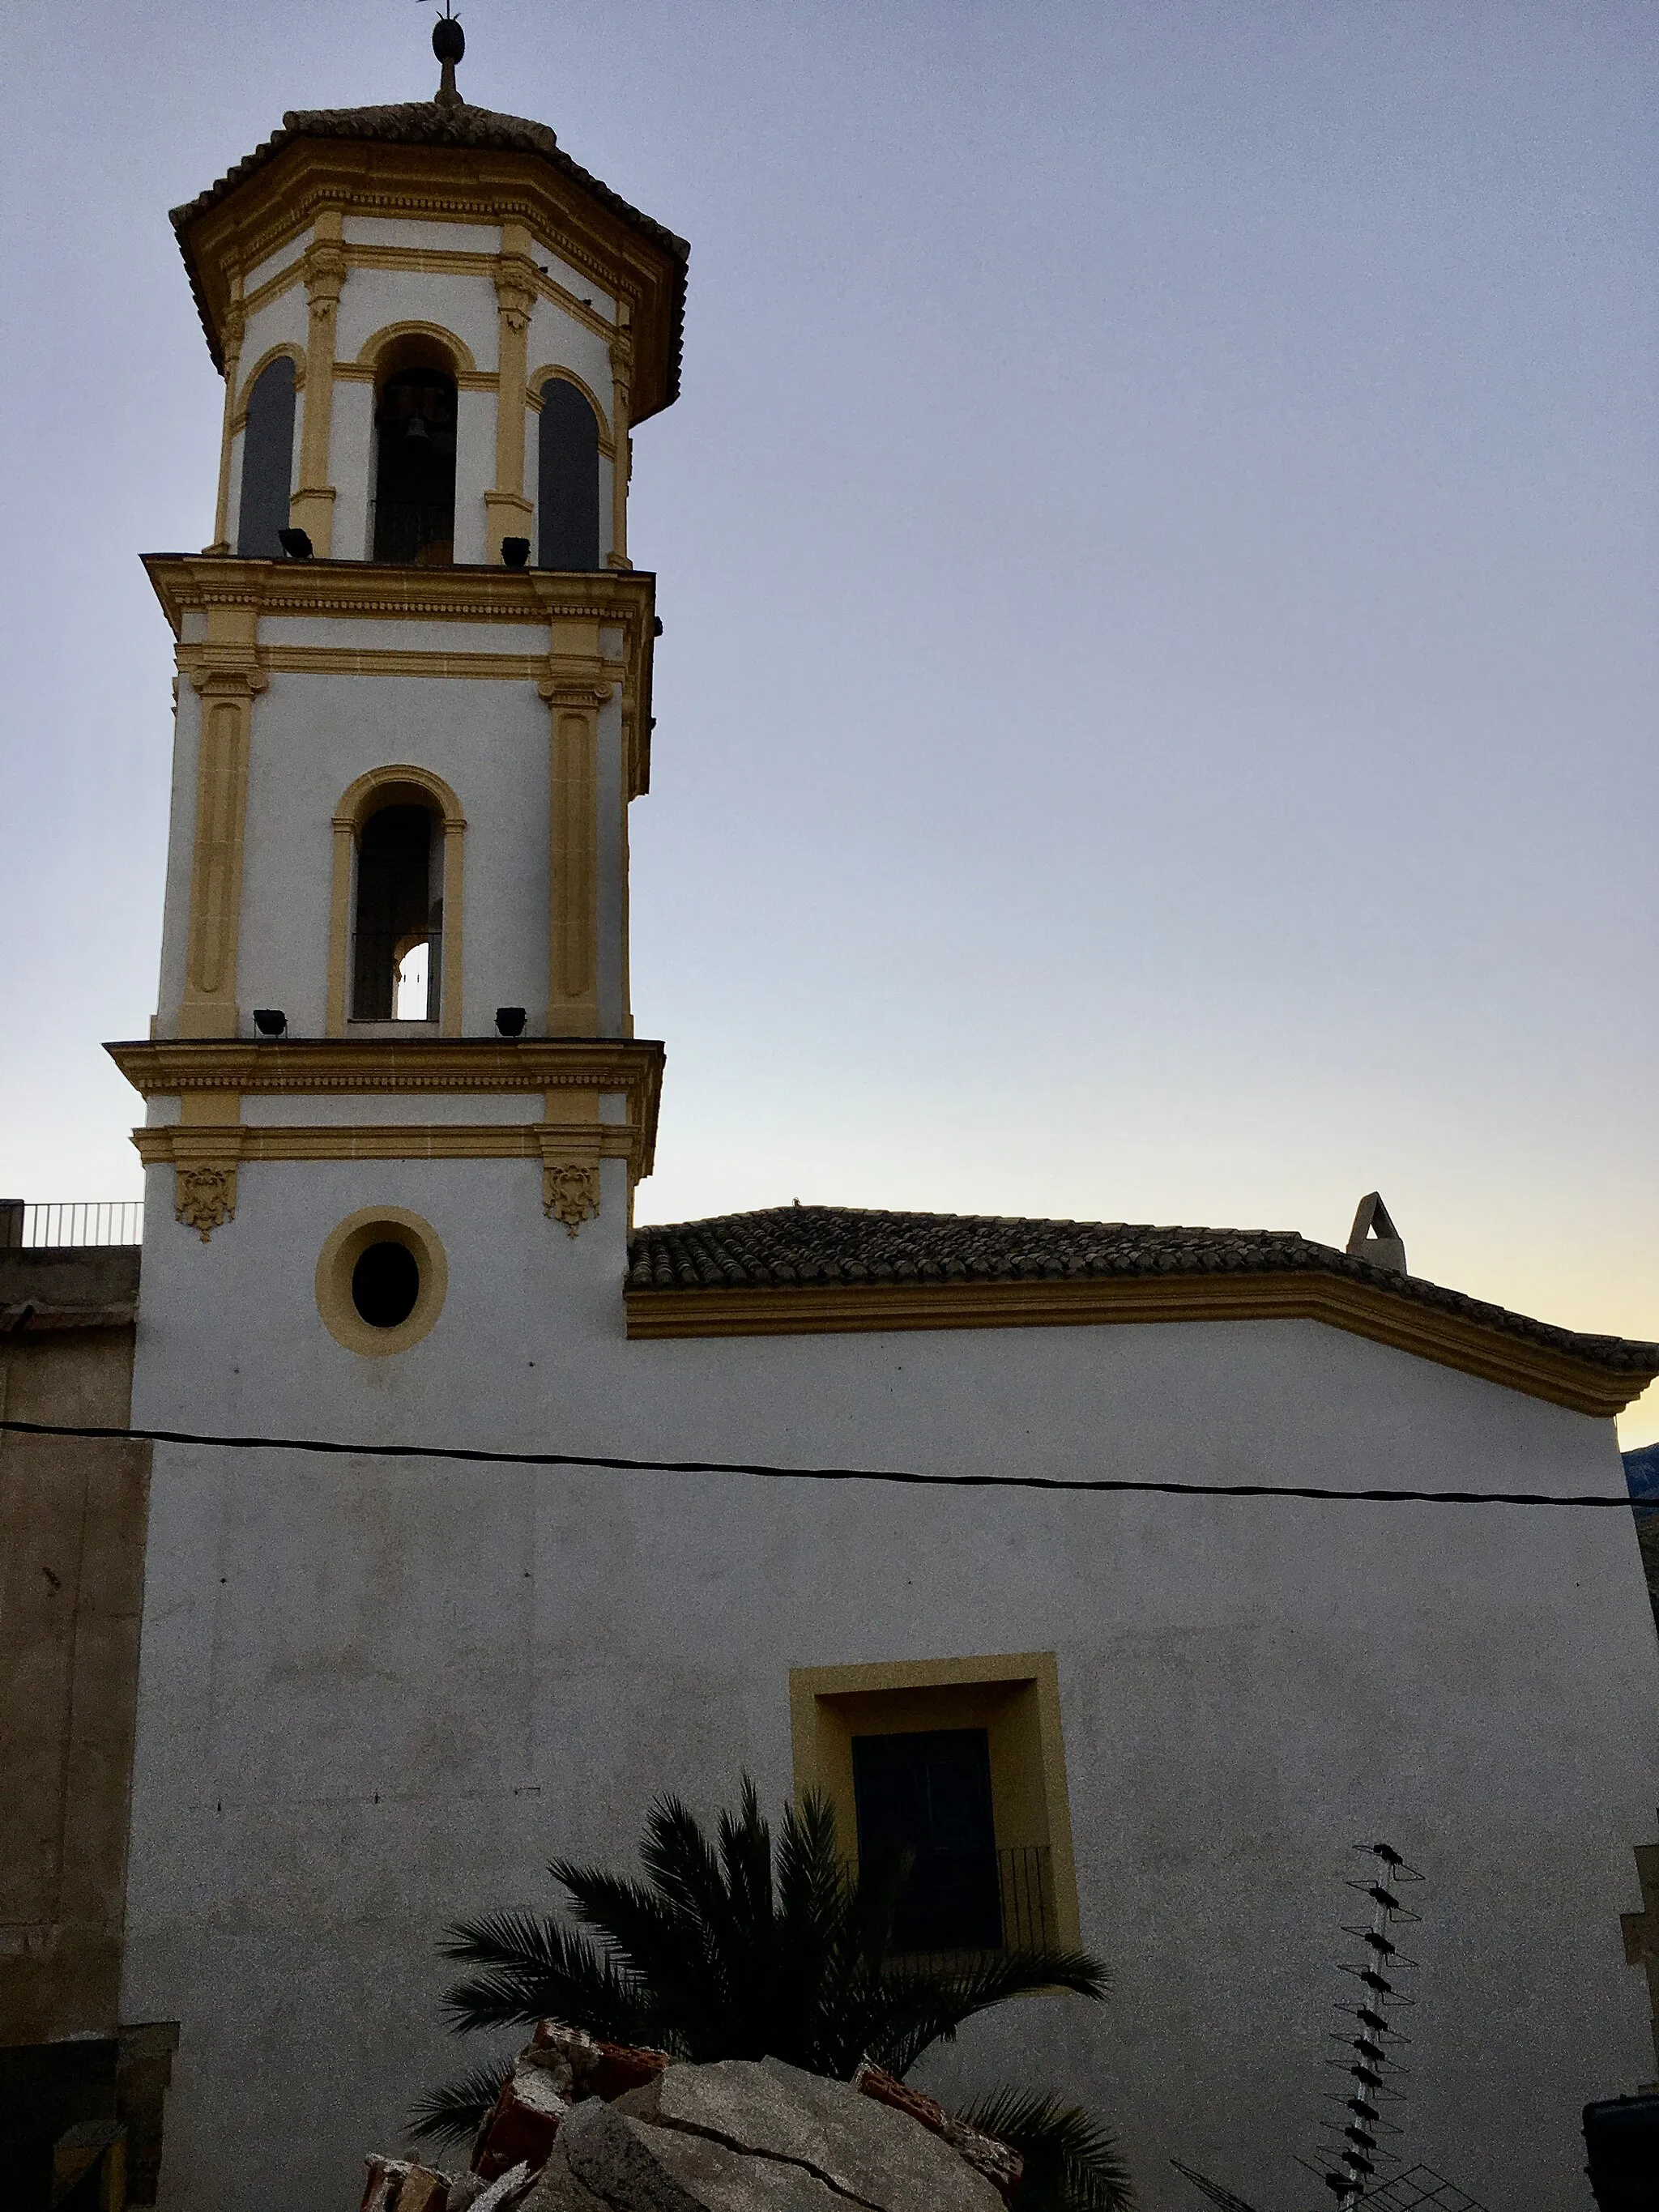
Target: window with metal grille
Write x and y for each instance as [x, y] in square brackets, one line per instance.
[398, 936]
[925, 1797]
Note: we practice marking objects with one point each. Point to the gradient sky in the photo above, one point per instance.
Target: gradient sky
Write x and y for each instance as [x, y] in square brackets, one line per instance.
[1157, 550]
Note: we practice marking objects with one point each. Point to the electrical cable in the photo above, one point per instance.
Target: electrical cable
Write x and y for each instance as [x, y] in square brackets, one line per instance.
[477, 1454]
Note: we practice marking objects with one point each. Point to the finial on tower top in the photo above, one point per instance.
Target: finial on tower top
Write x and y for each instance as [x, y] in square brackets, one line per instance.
[449, 43]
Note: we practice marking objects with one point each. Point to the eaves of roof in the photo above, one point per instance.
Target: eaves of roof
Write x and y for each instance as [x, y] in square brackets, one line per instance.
[793, 1270]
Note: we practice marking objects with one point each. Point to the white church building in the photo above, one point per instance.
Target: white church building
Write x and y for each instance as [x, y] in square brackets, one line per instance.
[394, 1117]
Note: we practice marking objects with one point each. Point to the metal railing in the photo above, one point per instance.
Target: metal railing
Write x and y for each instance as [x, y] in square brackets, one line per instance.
[985, 1902]
[28, 1225]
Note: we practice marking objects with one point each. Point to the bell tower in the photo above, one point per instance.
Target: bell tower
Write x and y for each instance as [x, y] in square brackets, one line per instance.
[414, 694]
[395, 1107]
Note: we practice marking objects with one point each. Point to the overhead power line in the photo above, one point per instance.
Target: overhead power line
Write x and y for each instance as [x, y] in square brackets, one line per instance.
[474, 1455]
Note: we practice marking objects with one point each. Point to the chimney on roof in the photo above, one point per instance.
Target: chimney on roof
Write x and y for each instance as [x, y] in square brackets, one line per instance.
[1374, 1236]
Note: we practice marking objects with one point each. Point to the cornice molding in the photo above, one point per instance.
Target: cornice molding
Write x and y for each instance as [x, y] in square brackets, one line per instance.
[175, 1067]
[184, 582]
[250, 591]
[1448, 1340]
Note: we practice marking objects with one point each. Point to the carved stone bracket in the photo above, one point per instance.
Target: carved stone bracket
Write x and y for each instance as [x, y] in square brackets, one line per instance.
[325, 276]
[515, 289]
[203, 1198]
[570, 1191]
[224, 671]
[572, 685]
[570, 1172]
[203, 1162]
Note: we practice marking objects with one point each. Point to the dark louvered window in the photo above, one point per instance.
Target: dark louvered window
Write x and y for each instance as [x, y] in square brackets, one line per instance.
[400, 914]
[267, 462]
[567, 479]
[926, 1796]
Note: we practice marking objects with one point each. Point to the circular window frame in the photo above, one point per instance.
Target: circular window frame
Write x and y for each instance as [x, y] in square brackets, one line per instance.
[345, 1246]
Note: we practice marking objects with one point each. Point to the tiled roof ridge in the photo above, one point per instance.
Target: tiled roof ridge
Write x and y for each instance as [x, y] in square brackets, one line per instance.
[734, 1251]
[425, 123]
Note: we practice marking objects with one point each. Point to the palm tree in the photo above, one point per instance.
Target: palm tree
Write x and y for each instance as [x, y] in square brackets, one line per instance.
[733, 1948]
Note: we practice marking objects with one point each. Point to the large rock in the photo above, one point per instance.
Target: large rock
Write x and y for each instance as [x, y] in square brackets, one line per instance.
[558, 2190]
[776, 2115]
[632, 2167]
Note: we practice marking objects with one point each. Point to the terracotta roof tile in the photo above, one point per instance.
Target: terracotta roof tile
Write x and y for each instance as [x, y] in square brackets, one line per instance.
[803, 1246]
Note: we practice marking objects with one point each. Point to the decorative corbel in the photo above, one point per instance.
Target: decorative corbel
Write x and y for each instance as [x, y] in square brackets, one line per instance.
[203, 1161]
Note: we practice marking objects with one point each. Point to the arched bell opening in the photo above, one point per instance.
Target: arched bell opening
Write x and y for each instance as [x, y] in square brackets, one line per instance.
[397, 949]
[568, 478]
[267, 462]
[414, 421]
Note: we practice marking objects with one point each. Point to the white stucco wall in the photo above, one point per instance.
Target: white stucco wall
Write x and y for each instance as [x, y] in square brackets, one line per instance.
[376, 1695]
[313, 735]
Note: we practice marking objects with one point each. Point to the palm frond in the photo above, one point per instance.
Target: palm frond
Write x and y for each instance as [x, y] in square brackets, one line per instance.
[534, 1968]
[455, 2113]
[927, 2005]
[1072, 2162]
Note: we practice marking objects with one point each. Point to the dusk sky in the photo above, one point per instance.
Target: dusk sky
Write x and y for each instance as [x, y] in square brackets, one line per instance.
[1157, 554]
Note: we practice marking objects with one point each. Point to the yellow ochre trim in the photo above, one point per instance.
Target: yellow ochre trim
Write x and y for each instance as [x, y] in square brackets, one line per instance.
[369, 354]
[311, 507]
[435, 1141]
[244, 388]
[345, 1246]
[1454, 1341]
[601, 414]
[370, 660]
[1014, 1696]
[224, 670]
[555, 1066]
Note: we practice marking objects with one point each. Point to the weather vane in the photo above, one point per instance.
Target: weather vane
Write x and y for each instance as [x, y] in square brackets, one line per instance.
[449, 43]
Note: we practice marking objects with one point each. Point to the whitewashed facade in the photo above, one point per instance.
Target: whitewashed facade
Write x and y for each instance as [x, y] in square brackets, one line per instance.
[376, 1694]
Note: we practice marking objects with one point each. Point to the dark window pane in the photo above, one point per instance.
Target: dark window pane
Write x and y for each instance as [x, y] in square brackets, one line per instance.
[415, 469]
[400, 905]
[267, 462]
[385, 1284]
[568, 479]
[929, 1794]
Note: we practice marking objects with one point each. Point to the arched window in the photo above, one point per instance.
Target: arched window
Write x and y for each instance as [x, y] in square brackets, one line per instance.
[415, 468]
[568, 478]
[398, 942]
[267, 462]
